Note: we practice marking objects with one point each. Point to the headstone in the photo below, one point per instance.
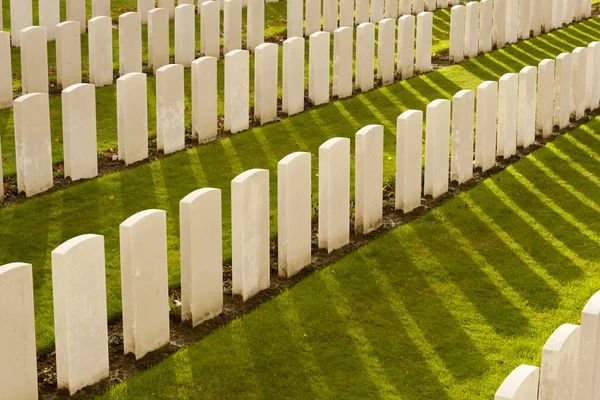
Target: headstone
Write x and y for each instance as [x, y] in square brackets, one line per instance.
[587, 9]
[512, 20]
[169, 5]
[18, 361]
[21, 17]
[536, 17]
[210, 29]
[431, 5]
[593, 75]
[295, 18]
[418, 7]
[508, 93]
[556, 14]
[266, 81]
[342, 62]
[79, 131]
[485, 145]
[334, 194]
[132, 116]
[294, 213]
[68, 54]
[485, 22]
[437, 149]
[100, 8]
[499, 25]
[404, 7]
[409, 149]
[424, 42]
[560, 354]
[232, 26]
[80, 329]
[1, 18]
[158, 38]
[547, 11]
[406, 46]
[250, 233]
[32, 143]
[386, 43]
[318, 68]
[472, 29]
[562, 90]
[130, 43]
[330, 15]
[521, 384]
[100, 51]
[201, 255]
[588, 368]
[185, 34]
[76, 12]
[369, 179]
[376, 11]
[524, 19]
[579, 81]
[49, 16]
[545, 98]
[34, 60]
[347, 13]
[144, 6]
[170, 123]
[293, 76]
[457, 33]
[236, 90]
[441, 4]
[313, 16]
[463, 120]
[204, 98]
[6, 92]
[391, 10]
[144, 282]
[365, 57]
[576, 11]
[526, 107]
[255, 27]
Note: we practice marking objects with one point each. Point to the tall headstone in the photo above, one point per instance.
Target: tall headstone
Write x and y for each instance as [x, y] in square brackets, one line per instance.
[342, 62]
[100, 51]
[521, 384]
[21, 17]
[100, 8]
[255, 27]
[362, 11]
[49, 16]
[404, 8]
[365, 57]
[313, 16]
[130, 43]
[547, 11]
[237, 86]
[391, 9]
[463, 120]
[34, 60]
[526, 107]
[132, 116]
[536, 17]
[457, 33]
[170, 117]
[485, 145]
[185, 34]
[406, 46]
[508, 93]
[266, 80]
[431, 5]
[562, 90]
[210, 29]
[512, 20]
[143, 7]
[499, 24]
[318, 68]
[409, 160]
[485, 22]
[347, 13]
[369, 179]
[386, 47]
[545, 98]
[579, 81]
[472, 29]
[293, 76]
[376, 11]
[418, 7]
[204, 98]
[588, 368]
[558, 379]
[76, 12]
[330, 15]
[524, 19]
[6, 92]
[437, 148]
[158, 38]
[593, 75]
[169, 5]
[232, 26]
[295, 18]
[68, 54]
[424, 42]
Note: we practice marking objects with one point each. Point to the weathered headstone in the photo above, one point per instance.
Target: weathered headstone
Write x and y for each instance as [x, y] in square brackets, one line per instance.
[521, 384]
[313, 16]
[545, 98]
[472, 29]
[100, 51]
[237, 88]
[292, 90]
[68, 54]
[330, 15]
[499, 24]
[185, 34]
[132, 116]
[369, 179]
[295, 18]
[437, 149]
[158, 38]
[558, 379]
[49, 16]
[526, 107]
[170, 117]
[266, 80]
[386, 47]
[365, 57]
[232, 26]
[34, 60]
[318, 68]
[130, 43]
[485, 145]
[508, 93]
[424, 42]
[463, 120]
[409, 149]
[204, 98]
[579, 81]
[485, 22]
[6, 93]
[457, 33]
[76, 12]
[21, 17]
[210, 29]
[562, 90]
[406, 46]
[342, 62]
[255, 27]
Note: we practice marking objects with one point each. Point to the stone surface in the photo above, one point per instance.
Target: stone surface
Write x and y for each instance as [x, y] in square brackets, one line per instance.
[342, 62]
[365, 57]
[547, 11]
[292, 90]
[49, 17]
[457, 33]
[391, 9]
[369, 179]
[463, 120]
[437, 149]
[250, 232]
[232, 26]
[313, 16]
[579, 81]
[130, 43]
[508, 92]
[330, 15]
[593, 75]
[376, 11]
[526, 107]
[204, 98]
[347, 13]
[68, 54]
[18, 361]
[255, 27]
[536, 17]
[431, 5]
[334, 194]
[318, 68]
[144, 6]
[404, 8]
[562, 90]
[21, 17]
[76, 12]
[79, 131]
[424, 42]
[266, 81]
[545, 98]
[418, 7]
[32, 143]
[406, 46]
[472, 29]
[169, 5]
[521, 384]
[237, 91]
[485, 145]
[170, 117]
[409, 149]
[80, 324]
[100, 51]
[499, 24]
[34, 60]
[485, 22]
[294, 213]
[558, 379]
[144, 282]
[100, 8]
[158, 38]
[132, 116]
[295, 18]
[524, 19]
[386, 48]
[6, 93]
[210, 29]
[588, 368]
[201, 255]
[512, 20]
[185, 35]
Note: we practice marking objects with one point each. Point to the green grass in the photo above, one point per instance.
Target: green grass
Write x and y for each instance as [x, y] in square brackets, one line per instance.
[441, 308]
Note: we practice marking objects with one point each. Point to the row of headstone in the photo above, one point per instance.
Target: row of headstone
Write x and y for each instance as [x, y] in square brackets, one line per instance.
[569, 367]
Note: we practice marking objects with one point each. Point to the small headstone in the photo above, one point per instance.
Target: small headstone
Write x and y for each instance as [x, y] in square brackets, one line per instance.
[347, 13]
[536, 17]
[362, 11]
[593, 75]
[376, 11]
[391, 9]
[169, 5]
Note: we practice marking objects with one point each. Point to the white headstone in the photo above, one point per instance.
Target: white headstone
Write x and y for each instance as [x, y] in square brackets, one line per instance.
[545, 98]
[431, 5]
[593, 75]
[100, 8]
[576, 11]
[18, 361]
[526, 107]
[369, 179]
[49, 16]
[185, 34]
[204, 98]
[210, 29]
[293, 76]
[132, 116]
[485, 145]
[313, 16]
[201, 255]
[376, 11]
[334, 194]
[295, 18]
[457, 33]
[499, 24]
[130, 43]
[255, 27]
[588, 367]
[386, 48]
[76, 12]
[347, 13]
[21, 17]
[265, 82]
[330, 15]
[6, 92]
[34, 60]
[406, 46]
[144, 6]
[169, 5]
[418, 7]
[562, 90]
[521, 384]
[409, 149]
[579, 81]
[512, 20]
[391, 9]
[365, 57]
[158, 38]
[144, 282]
[170, 118]
[524, 19]
[437, 149]
[294, 213]
[100, 51]
[404, 7]
[536, 17]
[560, 354]
[547, 11]
[318, 68]
[508, 106]
[79, 131]
[232, 26]
[80, 325]
[472, 29]
[68, 54]
[485, 22]
[557, 11]
[250, 233]
[463, 120]
[424, 42]
[32, 143]
[342, 62]
[237, 91]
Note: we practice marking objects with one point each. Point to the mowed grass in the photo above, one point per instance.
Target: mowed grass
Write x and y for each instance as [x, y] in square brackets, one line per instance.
[31, 230]
[441, 308]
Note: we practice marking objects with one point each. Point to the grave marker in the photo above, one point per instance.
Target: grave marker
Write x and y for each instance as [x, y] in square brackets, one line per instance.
[409, 149]
[369, 179]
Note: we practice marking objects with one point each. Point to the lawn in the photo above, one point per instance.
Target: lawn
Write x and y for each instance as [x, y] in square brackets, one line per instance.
[441, 308]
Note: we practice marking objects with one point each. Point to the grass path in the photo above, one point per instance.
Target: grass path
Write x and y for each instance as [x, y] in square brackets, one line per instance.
[31, 230]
